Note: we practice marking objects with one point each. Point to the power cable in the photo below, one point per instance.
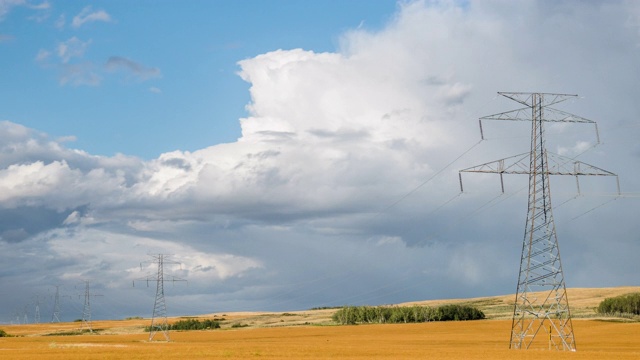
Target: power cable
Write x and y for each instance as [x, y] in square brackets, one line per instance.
[427, 181]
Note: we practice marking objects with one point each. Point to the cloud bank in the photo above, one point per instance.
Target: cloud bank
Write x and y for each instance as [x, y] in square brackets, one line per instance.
[303, 209]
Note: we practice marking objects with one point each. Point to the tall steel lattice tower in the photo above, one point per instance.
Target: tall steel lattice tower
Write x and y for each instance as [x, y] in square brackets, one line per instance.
[541, 314]
[159, 319]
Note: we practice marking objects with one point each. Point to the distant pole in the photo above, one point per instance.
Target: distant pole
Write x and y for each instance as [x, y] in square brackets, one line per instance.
[159, 321]
[541, 296]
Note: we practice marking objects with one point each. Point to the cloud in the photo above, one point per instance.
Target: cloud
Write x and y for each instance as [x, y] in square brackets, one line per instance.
[44, 11]
[60, 22]
[137, 70]
[73, 70]
[87, 15]
[69, 64]
[43, 55]
[579, 148]
[71, 48]
[79, 74]
[45, 5]
[43, 8]
[20, 223]
[7, 5]
[343, 187]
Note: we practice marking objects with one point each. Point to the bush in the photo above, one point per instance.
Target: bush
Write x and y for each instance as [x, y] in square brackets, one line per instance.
[350, 315]
[623, 304]
[458, 312]
[4, 333]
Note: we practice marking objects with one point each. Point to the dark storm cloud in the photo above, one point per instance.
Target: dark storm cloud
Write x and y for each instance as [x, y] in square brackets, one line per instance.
[18, 224]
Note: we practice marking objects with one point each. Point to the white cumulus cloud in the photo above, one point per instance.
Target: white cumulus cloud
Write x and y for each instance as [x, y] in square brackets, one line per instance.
[87, 15]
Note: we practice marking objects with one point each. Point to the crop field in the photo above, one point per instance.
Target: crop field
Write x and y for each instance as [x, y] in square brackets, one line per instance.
[485, 339]
[311, 335]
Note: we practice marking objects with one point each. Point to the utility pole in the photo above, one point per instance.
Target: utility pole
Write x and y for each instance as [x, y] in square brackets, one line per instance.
[541, 306]
[159, 318]
[86, 310]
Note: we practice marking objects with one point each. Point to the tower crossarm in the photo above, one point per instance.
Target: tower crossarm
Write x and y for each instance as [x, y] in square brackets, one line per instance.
[557, 165]
[517, 164]
[550, 115]
[527, 98]
[544, 101]
[155, 279]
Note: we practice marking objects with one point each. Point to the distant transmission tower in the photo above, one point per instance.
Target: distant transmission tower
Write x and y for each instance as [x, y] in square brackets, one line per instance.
[159, 318]
[36, 316]
[541, 306]
[56, 305]
[86, 310]
[26, 318]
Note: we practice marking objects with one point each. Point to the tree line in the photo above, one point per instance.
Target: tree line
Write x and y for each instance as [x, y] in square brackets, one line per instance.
[623, 304]
[192, 324]
[349, 315]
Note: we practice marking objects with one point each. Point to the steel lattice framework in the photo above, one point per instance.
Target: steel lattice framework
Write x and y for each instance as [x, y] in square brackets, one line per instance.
[86, 309]
[159, 319]
[56, 306]
[541, 314]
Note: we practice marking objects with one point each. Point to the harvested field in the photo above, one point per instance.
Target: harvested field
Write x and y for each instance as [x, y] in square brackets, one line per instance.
[310, 335]
[487, 339]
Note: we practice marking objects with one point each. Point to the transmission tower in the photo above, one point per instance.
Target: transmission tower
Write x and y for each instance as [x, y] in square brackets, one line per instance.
[159, 319]
[541, 314]
[86, 310]
[26, 318]
[36, 316]
[56, 306]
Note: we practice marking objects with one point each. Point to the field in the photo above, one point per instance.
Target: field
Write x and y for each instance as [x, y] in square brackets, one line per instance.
[311, 335]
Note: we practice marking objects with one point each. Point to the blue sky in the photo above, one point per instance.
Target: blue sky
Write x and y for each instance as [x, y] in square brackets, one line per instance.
[194, 100]
[294, 154]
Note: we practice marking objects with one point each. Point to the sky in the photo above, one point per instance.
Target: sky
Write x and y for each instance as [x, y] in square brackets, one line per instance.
[297, 154]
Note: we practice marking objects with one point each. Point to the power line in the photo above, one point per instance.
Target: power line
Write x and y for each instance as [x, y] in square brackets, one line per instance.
[428, 180]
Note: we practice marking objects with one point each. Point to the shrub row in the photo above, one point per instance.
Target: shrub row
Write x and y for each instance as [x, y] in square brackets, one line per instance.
[623, 304]
[404, 314]
[192, 324]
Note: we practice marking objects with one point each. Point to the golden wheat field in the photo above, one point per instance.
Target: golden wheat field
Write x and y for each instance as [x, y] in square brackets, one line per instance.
[310, 335]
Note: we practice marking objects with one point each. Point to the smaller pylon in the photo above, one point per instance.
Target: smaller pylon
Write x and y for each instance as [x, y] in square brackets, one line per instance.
[26, 318]
[36, 315]
[56, 306]
[159, 321]
[86, 310]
